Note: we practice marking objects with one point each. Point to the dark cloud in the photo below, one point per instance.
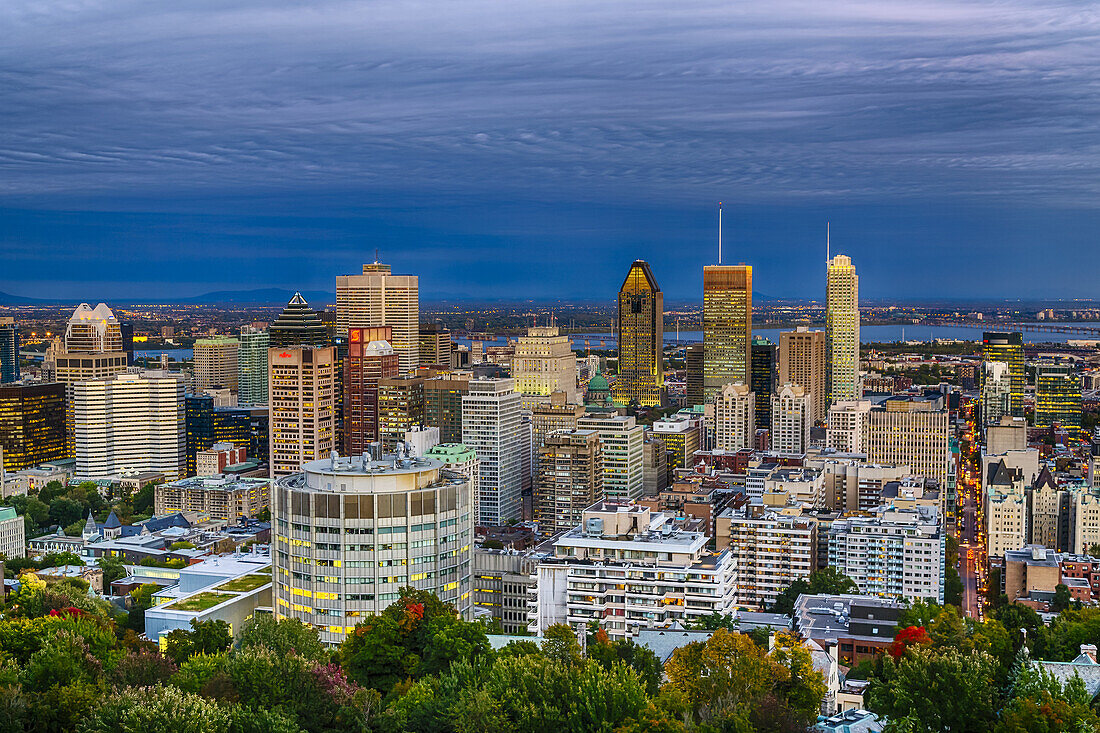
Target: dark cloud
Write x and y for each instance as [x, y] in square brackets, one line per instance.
[494, 136]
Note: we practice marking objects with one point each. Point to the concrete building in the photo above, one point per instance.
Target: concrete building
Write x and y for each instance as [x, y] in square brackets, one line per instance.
[553, 416]
[380, 298]
[223, 498]
[570, 479]
[654, 465]
[996, 391]
[897, 553]
[349, 533]
[847, 425]
[32, 425]
[640, 338]
[218, 457]
[503, 581]
[622, 441]
[400, 408]
[252, 368]
[841, 332]
[735, 418]
[628, 569]
[792, 418]
[435, 345]
[130, 423]
[13, 537]
[543, 364]
[771, 546]
[367, 363]
[216, 363]
[852, 484]
[458, 458]
[727, 326]
[802, 362]
[911, 432]
[491, 427]
[302, 406]
[682, 436]
[443, 405]
[858, 627]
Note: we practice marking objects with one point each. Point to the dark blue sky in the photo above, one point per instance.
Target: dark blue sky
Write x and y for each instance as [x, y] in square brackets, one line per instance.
[519, 149]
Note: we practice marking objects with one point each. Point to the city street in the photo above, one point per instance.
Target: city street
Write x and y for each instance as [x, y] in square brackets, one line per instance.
[972, 561]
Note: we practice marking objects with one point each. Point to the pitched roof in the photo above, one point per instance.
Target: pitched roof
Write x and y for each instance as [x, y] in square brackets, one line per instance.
[112, 521]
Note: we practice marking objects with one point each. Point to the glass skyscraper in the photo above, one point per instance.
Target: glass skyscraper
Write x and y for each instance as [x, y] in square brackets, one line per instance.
[641, 338]
[763, 378]
[9, 350]
[1009, 348]
[1057, 395]
[727, 326]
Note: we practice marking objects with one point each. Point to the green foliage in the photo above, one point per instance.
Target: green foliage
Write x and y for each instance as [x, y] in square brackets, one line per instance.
[205, 637]
[142, 501]
[181, 545]
[1062, 598]
[170, 709]
[285, 637]
[644, 662]
[561, 645]
[829, 580]
[112, 569]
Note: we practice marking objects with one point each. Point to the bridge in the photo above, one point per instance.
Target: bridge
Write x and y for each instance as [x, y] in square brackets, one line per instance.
[1071, 329]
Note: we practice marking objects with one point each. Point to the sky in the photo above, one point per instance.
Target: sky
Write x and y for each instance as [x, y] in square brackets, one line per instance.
[515, 149]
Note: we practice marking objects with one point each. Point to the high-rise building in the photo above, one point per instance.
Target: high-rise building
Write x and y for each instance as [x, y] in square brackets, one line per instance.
[570, 479]
[32, 424]
[682, 437]
[93, 330]
[207, 425]
[216, 363]
[375, 527]
[911, 432]
[1009, 348]
[9, 350]
[735, 418]
[435, 345]
[298, 325]
[802, 362]
[792, 418]
[554, 416]
[126, 330]
[366, 364]
[1057, 395]
[543, 364]
[764, 376]
[252, 366]
[771, 547]
[727, 326]
[622, 441]
[443, 405]
[302, 404]
[130, 423]
[693, 375]
[491, 426]
[641, 338]
[379, 298]
[841, 332]
[1004, 509]
[400, 408]
[996, 392]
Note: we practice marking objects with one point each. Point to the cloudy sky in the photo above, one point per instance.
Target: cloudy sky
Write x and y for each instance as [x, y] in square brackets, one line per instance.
[507, 148]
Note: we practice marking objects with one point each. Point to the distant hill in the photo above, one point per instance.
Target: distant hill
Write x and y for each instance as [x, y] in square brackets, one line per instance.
[261, 296]
[9, 299]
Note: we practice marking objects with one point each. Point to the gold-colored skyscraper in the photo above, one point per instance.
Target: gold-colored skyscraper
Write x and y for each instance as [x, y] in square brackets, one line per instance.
[842, 330]
[641, 338]
[727, 326]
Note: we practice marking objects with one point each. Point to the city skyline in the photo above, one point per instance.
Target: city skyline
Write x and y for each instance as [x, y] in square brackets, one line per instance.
[487, 155]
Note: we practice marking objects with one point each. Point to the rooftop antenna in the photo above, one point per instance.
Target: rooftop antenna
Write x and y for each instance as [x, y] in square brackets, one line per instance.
[719, 232]
[827, 243]
[376, 255]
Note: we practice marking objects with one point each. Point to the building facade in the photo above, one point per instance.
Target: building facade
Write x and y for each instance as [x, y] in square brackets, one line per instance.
[570, 479]
[842, 331]
[380, 298]
[543, 364]
[216, 363]
[1008, 348]
[792, 418]
[491, 427]
[764, 376]
[252, 366]
[301, 386]
[622, 442]
[735, 418]
[1057, 395]
[770, 547]
[298, 325]
[727, 326]
[641, 336]
[223, 498]
[802, 362]
[9, 350]
[32, 424]
[367, 363]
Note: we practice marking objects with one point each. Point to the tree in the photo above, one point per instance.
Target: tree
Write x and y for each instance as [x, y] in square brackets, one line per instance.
[713, 621]
[286, 636]
[143, 500]
[205, 637]
[828, 580]
[720, 675]
[560, 644]
[1062, 598]
[112, 569]
[167, 708]
[641, 659]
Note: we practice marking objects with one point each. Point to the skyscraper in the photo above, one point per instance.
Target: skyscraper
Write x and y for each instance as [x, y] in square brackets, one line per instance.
[727, 326]
[1009, 348]
[379, 298]
[622, 442]
[693, 368]
[765, 366]
[435, 345]
[1057, 395]
[206, 425]
[491, 426]
[802, 362]
[735, 418]
[32, 424]
[216, 363]
[792, 417]
[641, 338]
[301, 386]
[298, 325]
[544, 363]
[570, 479]
[400, 408]
[996, 392]
[252, 366]
[841, 332]
[9, 350]
[367, 363]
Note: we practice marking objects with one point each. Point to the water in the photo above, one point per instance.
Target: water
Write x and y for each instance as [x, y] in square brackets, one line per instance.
[174, 354]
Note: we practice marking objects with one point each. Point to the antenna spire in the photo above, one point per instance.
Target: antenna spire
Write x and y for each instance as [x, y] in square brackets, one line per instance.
[719, 232]
[827, 244]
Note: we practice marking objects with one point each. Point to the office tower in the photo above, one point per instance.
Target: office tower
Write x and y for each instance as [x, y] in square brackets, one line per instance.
[93, 330]
[367, 364]
[996, 392]
[622, 441]
[207, 425]
[693, 374]
[570, 479]
[302, 404]
[396, 522]
[32, 424]
[435, 345]
[802, 362]
[727, 326]
[654, 466]
[400, 407]
[379, 298]
[1057, 395]
[870, 551]
[130, 423]
[443, 405]
[252, 366]
[544, 363]
[216, 363]
[298, 325]
[126, 330]
[682, 437]
[764, 376]
[665, 565]
[491, 426]
[553, 416]
[1009, 348]
[792, 417]
[771, 548]
[911, 432]
[735, 418]
[9, 350]
[641, 338]
[841, 332]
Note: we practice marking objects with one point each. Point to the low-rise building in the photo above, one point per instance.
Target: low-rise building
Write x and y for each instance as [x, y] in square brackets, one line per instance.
[223, 498]
[13, 538]
[502, 584]
[859, 627]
